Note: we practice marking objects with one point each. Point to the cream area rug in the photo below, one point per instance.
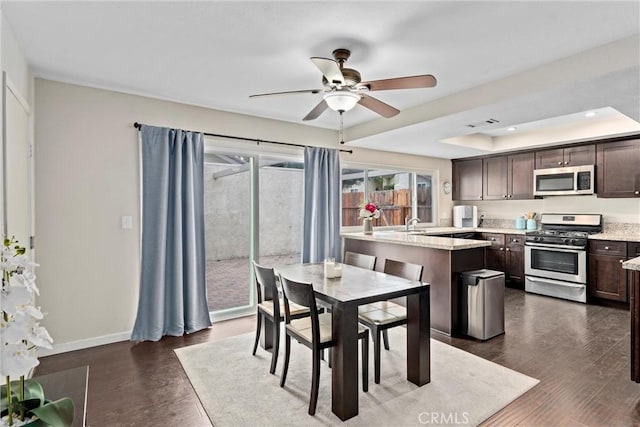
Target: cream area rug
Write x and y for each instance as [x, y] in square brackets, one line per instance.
[236, 388]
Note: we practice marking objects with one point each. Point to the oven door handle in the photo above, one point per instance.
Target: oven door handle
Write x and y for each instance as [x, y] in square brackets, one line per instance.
[555, 282]
[555, 248]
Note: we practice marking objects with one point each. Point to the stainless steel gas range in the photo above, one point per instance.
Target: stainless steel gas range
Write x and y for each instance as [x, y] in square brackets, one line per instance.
[556, 255]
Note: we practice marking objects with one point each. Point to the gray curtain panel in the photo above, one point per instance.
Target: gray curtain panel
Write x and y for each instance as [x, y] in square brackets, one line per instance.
[321, 228]
[173, 292]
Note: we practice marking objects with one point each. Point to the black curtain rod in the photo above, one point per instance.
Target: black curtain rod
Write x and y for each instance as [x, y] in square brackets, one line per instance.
[241, 138]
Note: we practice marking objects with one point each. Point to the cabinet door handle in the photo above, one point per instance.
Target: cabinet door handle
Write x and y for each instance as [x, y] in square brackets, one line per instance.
[515, 240]
[636, 192]
[566, 163]
[504, 196]
[510, 195]
[606, 248]
[493, 239]
[507, 249]
[559, 163]
[502, 249]
[621, 261]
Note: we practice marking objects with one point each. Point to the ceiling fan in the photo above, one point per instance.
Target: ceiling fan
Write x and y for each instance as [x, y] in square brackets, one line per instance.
[343, 88]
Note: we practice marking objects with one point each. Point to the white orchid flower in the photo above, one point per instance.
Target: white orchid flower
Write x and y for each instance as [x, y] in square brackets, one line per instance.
[28, 280]
[20, 331]
[14, 330]
[23, 261]
[40, 337]
[14, 299]
[17, 360]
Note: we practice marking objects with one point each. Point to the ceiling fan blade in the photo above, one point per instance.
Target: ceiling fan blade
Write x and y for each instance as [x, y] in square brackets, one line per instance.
[317, 110]
[330, 69]
[377, 106]
[412, 82]
[291, 92]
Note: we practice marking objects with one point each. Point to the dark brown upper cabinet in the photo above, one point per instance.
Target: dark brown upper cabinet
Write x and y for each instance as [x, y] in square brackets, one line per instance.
[520, 176]
[508, 177]
[467, 179]
[618, 169]
[570, 156]
[494, 178]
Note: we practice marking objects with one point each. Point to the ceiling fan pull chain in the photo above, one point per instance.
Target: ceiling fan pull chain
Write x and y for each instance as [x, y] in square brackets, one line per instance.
[341, 135]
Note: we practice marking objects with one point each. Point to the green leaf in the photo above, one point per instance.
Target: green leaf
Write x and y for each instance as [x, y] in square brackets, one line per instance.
[56, 414]
[33, 390]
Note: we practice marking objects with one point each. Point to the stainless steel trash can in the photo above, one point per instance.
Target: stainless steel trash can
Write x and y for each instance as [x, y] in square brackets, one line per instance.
[483, 297]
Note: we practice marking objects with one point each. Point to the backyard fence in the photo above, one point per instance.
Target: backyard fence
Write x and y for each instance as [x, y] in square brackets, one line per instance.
[394, 204]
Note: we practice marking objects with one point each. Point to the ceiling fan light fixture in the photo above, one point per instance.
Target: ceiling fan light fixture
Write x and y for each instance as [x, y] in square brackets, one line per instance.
[341, 101]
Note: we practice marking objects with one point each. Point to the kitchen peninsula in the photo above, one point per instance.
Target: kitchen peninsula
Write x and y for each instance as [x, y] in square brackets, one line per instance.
[443, 259]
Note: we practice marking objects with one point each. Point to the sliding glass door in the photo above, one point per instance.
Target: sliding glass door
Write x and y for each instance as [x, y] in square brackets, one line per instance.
[228, 231]
[281, 210]
[253, 211]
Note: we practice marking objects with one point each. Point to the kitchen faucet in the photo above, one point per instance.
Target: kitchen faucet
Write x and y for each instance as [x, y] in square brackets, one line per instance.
[409, 222]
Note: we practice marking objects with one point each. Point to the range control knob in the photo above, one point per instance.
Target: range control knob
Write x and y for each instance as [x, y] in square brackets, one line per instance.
[537, 239]
[567, 241]
[574, 242]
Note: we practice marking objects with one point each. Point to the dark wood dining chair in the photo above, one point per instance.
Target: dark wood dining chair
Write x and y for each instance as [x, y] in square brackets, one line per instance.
[360, 260]
[383, 315]
[268, 309]
[315, 332]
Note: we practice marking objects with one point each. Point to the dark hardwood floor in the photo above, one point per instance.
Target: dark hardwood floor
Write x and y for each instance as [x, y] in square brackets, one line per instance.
[580, 354]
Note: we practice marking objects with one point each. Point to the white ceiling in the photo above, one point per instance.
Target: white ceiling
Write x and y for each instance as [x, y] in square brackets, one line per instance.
[518, 62]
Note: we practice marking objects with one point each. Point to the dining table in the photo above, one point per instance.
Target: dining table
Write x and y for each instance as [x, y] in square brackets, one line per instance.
[357, 286]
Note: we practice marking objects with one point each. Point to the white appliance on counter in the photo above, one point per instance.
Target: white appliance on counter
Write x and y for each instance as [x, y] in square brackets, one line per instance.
[465, 216]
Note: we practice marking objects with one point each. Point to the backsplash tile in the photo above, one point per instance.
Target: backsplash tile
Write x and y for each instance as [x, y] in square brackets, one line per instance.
[498, 223]
[609, 228]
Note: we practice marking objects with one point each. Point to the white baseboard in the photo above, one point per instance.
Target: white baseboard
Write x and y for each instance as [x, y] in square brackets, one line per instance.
[125, 336]
[85, 343]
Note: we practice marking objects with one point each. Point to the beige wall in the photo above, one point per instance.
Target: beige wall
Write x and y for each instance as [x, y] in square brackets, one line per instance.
[87, 175]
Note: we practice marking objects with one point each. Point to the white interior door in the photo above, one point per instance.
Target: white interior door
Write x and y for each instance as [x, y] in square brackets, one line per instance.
[17, 170]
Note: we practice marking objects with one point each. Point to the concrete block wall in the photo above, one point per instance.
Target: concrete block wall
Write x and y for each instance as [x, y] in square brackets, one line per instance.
[227, 216]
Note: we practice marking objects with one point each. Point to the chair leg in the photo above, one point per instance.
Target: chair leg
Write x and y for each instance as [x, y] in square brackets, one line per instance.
[259, 325]
[315, 382]
[330, 350]
[385, 337]
[276, 345]
[365, 362]
[287, 353]
[376, 355]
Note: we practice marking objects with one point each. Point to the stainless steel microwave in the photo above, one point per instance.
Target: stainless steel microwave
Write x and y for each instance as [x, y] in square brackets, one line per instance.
[564, 181]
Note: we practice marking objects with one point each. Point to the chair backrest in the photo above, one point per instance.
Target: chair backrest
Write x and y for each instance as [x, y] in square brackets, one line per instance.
[360, 260]
[266, 279]
[403, 269]
[302, 294]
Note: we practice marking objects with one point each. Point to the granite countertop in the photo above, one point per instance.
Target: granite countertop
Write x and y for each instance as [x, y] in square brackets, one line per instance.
[500, 230]
[632, 264]
[629, 237]
[420, 240]
[401, 236]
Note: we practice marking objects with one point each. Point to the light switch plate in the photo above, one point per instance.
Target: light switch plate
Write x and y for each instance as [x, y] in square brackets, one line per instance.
[127, 222]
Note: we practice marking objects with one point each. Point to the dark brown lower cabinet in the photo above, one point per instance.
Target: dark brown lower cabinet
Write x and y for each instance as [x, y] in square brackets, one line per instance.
[606, 277]
[514, 260]
[506, 254]
[634, 307]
